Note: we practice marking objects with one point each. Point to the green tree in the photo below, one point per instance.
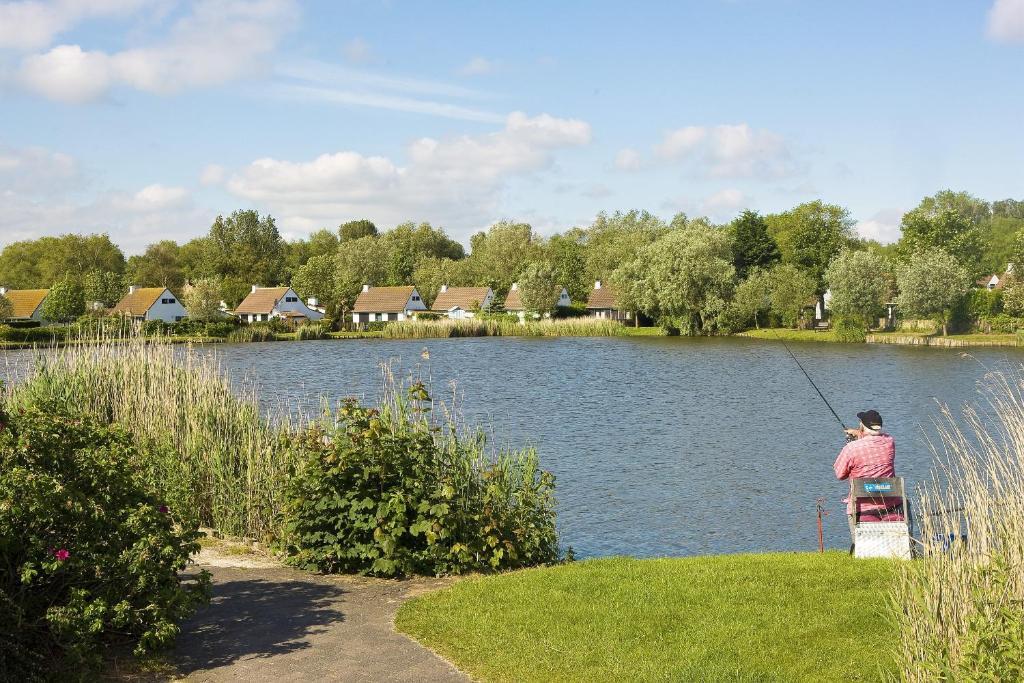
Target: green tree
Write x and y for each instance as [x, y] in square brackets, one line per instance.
[201, 298]
[539, 288]
[6, 308]
[354, 230]
[810, 236]
[752, 299]
[792, 290]
[616, 239]
[245, 248]
[1013, 296]
[405, 245]
[358, 262]
[316, 279]
[432, 272]
[859, 286]
[105, 287]
[159, 266]
[33, 264]
[566, 254]
[64, 302]
[684, 279]
[931, 284]
[498, 256]
[948, 230]
[752, 246]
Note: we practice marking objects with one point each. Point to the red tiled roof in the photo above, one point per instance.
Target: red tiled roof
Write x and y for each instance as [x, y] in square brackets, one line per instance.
[25, 301]
[383, 300]
[603, 297]
[139, 301]
[514, 302]
[261, 301]
[465, 298]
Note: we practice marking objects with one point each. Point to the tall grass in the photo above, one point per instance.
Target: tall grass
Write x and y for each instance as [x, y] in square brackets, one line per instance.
[223, 459]
[959, 609]
[252, 333]
[476, 327]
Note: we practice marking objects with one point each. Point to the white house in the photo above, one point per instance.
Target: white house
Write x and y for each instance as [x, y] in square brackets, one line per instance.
[603, 303]
[514, 301]
[151, 303]
[386, 304]
[994, 281]
[26, 304]
[462, 302]
[265, 303]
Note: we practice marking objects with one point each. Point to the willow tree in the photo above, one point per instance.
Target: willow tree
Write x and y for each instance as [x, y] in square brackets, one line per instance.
[685, 279]
[931, 284]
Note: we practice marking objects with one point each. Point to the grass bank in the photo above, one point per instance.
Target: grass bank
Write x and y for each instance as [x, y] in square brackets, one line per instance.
[477, 327]
[785, 617]
[786, 334]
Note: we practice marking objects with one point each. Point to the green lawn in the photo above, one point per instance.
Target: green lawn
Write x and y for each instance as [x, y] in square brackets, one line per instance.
[786, 334]
[768, 617]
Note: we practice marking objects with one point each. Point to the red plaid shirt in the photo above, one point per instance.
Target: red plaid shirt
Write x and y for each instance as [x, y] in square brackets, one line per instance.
[872, 455]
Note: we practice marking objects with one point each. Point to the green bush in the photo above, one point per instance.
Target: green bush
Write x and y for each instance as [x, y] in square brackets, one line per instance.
[253, 332]
[89, 554]
[390, 493]
[221, 329]
[848, 330]
[1000, 324]
[41, 335]
[310, 330]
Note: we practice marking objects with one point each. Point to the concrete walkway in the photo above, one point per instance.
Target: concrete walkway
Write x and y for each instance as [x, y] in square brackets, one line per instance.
[270, 623]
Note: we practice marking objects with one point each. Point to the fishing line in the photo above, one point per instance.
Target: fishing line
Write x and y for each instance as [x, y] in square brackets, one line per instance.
[799, 365]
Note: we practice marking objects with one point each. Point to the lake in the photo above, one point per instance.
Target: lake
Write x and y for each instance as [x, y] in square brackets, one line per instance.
[660, 446]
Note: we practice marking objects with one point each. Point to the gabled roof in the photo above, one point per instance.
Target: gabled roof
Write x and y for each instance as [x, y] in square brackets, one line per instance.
[262, 300]
[383, 299]
[602, 297]
[460, 297]
[25, 301]
[139, 301]
[514, 301]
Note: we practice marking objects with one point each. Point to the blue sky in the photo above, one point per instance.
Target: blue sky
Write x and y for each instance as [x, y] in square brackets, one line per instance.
[147, 118]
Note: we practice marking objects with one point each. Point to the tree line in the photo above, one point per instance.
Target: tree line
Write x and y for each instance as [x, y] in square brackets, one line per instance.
[687, 274]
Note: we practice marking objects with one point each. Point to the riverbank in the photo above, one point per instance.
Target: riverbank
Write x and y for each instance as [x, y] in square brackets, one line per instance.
[773, 616]
[896, 338]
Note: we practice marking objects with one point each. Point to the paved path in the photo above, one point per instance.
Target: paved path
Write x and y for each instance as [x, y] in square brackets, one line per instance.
[269, 623]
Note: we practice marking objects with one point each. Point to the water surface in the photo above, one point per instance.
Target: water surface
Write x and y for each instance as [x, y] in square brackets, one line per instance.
[660, 446]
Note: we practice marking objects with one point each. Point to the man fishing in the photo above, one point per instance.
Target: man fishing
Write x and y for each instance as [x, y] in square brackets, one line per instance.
[871, 453]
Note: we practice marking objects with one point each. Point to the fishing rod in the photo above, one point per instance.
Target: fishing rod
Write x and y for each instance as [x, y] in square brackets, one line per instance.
[800, 365]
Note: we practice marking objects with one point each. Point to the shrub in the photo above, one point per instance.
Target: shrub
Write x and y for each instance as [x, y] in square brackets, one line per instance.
[389, 492]
[1000, 324]
[310, 330]
[41, 335]
[848, 330]
[89, 553]
[254, 332]
[221, 329]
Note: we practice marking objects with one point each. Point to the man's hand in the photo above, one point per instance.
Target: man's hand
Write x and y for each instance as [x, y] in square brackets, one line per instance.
[853, 433]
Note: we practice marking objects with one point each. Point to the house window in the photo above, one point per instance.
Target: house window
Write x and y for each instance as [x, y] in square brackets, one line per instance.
[167, 301]
[291, 299]
[177, 318]
[415, 297]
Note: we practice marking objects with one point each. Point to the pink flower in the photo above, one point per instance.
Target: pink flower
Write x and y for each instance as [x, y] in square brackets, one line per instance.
[61, 554]
[162, 509]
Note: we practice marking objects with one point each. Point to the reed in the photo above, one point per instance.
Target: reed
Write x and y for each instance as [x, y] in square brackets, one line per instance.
[223, 458]
[310, 331]
[959, 608]
[476, 327]
[251, 333]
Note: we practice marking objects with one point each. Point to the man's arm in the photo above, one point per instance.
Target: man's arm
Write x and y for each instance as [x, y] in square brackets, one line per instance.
[844, 462]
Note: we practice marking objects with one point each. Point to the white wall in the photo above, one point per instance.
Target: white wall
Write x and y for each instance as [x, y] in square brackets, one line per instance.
[168, 312]
[296, 305]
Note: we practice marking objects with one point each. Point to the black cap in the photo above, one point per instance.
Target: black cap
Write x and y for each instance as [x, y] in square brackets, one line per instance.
[870, 418]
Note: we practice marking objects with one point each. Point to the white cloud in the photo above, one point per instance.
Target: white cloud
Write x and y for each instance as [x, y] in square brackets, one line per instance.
[220, 40]
[357, 51]
[478, 66]
[311, 80]
[33, 24]
[628, 159]
[729, 151]
[723, 203]
[883, 226]
[37, 170]
[457, 182]
[151, 198]
[213, 174]
[1006, 21]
